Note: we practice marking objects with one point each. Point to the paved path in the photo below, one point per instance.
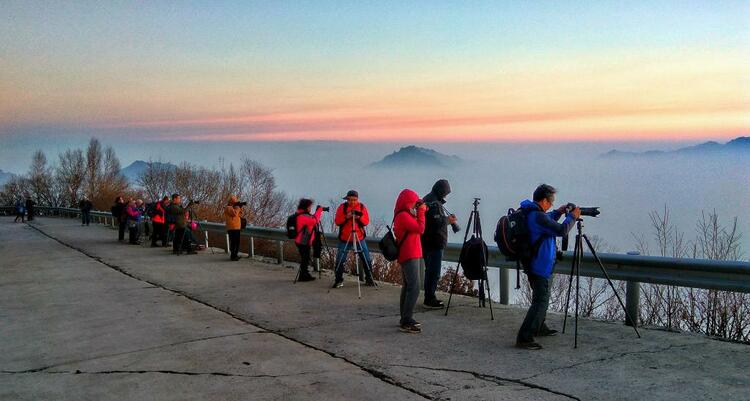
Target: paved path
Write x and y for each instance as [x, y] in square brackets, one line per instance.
[83, 317]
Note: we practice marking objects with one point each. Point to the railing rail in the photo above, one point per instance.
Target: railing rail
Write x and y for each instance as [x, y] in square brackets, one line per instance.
[634, 269]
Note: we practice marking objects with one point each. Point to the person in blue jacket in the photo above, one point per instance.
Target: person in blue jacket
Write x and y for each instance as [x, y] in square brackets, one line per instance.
[543, 228]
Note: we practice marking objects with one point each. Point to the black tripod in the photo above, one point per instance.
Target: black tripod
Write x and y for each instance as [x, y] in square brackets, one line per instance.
[477, 233]
[356, 246]
[317, 249]
[575, 271]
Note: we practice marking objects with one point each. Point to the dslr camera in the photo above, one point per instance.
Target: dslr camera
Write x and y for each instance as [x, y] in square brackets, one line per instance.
[585, 211]
[325, 208]
[240, 204]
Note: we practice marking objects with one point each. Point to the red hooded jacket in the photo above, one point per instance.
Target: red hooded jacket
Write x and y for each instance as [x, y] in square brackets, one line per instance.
[408, 228]
[305, 220]
[345, 225]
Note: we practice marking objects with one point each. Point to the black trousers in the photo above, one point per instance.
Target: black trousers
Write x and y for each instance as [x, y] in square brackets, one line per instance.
[121, 230]
[179, 236]
[133, 234]
[85, 217]
[159, 233]
[234, 242]
[304, 253]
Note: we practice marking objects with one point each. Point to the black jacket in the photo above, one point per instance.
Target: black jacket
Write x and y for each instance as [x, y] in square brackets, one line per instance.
[436, 220]
[85, 205]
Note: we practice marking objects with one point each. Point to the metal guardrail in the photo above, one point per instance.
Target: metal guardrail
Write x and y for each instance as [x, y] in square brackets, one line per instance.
[634, 269]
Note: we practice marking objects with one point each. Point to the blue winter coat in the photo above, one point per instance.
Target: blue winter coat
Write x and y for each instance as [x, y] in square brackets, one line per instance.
[543, 229]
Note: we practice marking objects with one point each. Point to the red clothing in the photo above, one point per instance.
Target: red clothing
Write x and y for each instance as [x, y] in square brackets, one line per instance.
[345, 225]
[160, 213]
[408, 228]
[307, 221]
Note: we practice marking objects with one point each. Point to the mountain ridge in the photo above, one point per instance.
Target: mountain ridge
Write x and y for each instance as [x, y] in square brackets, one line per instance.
[415, 156]
[737, 145]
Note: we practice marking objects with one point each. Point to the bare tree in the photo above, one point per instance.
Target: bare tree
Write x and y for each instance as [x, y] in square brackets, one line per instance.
[70, 174]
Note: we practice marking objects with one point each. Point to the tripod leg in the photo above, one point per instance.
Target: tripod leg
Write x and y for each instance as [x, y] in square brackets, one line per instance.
[579, 242]
[455, 274]
[601, 266]
[356, 263]
[570, 284]
[369, 274]
[489, 294]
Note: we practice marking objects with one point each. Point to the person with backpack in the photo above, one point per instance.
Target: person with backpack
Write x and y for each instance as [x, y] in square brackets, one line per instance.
[157, 212]
[408, 227]
[118, 214]
[305, 235]
[542, 230]
[352, 215]
[85, 205]
[435, 238]
[232, 219]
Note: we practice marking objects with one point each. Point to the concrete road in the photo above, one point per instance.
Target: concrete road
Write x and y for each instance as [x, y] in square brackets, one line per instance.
[84, 317]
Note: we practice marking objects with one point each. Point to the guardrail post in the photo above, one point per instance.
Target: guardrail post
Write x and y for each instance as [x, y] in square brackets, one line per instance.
[205, 238]
[632, 301]
[251, 254]
[227, 248]
[280, 259]
[504, 286]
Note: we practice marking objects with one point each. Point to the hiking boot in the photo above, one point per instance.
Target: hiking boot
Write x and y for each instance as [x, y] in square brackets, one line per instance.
[546, 332]
[434, 304]
[530, 345]
[410, 328]
[338, 284]
[415, 323]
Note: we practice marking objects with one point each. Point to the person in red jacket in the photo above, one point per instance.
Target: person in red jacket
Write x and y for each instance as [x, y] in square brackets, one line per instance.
[306, 223]
[159, 222]
[408, 227]
[350, 216]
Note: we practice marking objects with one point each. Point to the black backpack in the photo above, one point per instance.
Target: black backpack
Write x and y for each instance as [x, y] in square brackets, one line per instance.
[291, 226]
[513, 239]
[474, 257]
[388, 245]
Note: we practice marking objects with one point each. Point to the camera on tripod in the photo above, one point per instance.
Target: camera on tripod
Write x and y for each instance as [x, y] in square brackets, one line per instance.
[240, 204]
[585, 211]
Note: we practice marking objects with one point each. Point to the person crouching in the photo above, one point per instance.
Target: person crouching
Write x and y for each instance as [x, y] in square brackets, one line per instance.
[306, 223]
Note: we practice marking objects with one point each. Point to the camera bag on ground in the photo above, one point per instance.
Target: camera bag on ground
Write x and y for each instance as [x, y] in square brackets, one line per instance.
[291, 226]
[513, 239]
[474, 257]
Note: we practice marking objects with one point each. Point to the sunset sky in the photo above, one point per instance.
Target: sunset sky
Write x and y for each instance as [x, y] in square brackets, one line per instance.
[376, 71]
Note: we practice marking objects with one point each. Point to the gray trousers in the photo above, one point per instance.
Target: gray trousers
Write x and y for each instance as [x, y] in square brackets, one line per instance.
[410, 289]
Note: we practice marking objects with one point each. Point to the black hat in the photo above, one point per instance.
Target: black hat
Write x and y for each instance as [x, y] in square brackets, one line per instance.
[351, 193]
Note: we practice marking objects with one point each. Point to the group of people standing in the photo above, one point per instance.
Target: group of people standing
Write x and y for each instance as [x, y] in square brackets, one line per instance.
[420, 227]
[24, 208]
[168, 218]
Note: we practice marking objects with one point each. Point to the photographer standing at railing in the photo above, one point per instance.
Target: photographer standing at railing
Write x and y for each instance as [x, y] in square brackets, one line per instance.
[306, 223]
[356, 210]
[543, 228]
[179, 216]
[233, 222]
[85, 206]
[408, 227]
[435, 238]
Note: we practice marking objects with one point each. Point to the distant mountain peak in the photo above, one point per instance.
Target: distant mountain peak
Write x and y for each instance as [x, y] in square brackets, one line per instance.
[415, 156]
[739, 145]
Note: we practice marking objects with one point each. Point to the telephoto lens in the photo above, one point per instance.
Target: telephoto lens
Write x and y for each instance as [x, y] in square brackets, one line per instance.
[326, 209]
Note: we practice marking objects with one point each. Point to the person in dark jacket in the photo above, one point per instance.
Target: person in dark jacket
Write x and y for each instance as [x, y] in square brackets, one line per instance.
[179, 216]
[543, 228]
[435, 238]
[85, 206]
[408, 226]
[30, 208]
[118, 213]
[352, 215]
[306, 223]
[158, 221]
[20, 211]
